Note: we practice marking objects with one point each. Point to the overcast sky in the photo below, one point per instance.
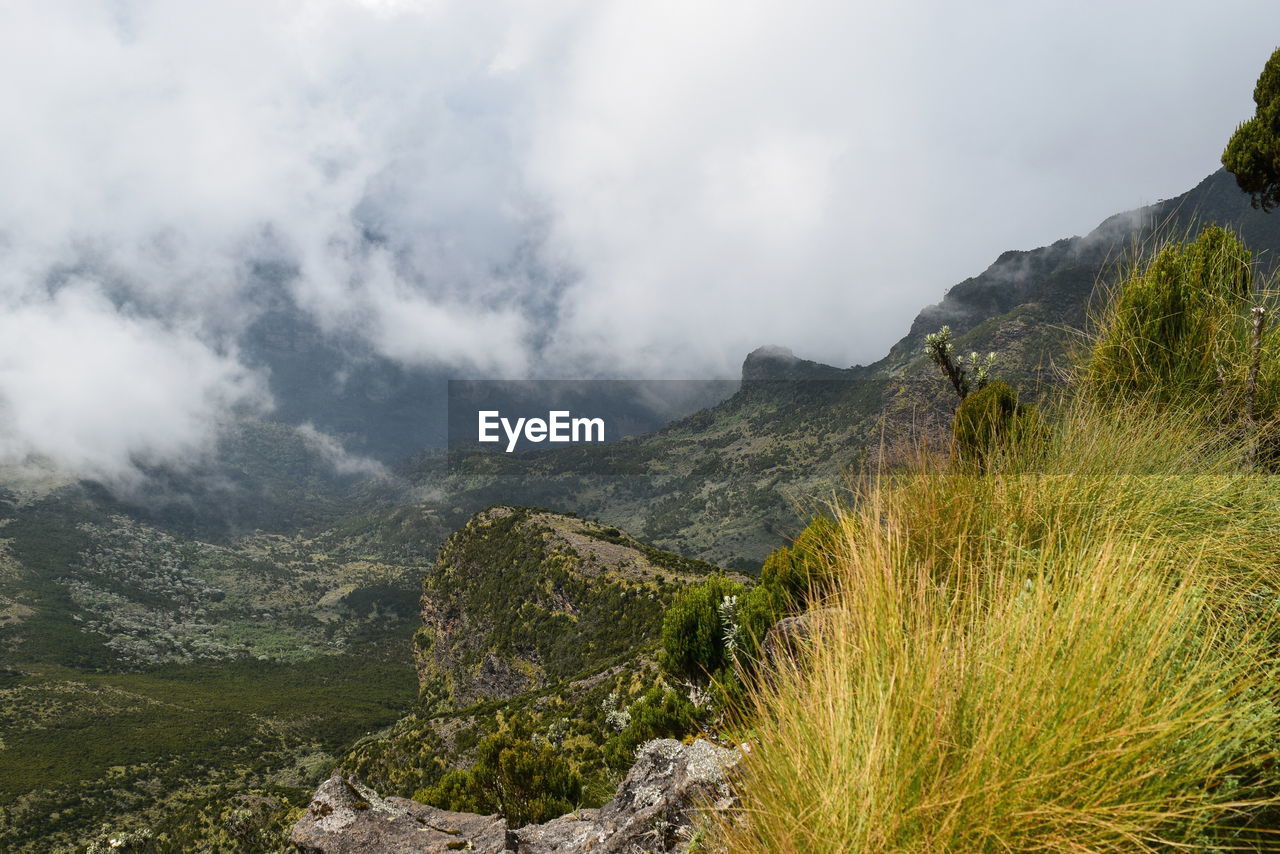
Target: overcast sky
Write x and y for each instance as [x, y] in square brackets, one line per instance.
[629, 188]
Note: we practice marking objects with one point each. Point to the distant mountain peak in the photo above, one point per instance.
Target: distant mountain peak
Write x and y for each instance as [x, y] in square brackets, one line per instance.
[772, 362]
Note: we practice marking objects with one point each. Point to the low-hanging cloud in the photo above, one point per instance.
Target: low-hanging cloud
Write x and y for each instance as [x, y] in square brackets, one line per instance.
[565, 188]
[97, 391]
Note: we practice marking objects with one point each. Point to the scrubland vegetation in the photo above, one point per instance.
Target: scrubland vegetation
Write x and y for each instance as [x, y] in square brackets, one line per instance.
[1066, 642]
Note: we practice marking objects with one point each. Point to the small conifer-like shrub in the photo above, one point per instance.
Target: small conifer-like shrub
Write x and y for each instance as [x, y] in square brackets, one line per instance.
[1179, 328]
[989, 419]
[695, 630]
[526, 781]
[1253, 152]
[713, 631]
[794, 571]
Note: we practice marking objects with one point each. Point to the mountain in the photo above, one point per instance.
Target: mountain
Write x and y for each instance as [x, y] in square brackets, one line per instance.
[531, 615]
[236, 624]
[732, 482]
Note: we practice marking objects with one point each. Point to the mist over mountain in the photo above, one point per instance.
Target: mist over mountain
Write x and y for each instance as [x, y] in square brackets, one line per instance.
[342, 412]
[305, 210]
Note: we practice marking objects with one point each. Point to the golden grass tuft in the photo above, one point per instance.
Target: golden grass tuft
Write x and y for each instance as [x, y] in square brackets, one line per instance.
[1073, 652]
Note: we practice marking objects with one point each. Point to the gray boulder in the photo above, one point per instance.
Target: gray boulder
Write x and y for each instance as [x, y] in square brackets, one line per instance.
[345, 817]
[789, 638]
[653, 810]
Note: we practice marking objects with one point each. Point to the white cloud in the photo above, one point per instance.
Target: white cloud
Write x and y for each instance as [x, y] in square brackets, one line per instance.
[97, 390]
[577, 186]
[330, 448]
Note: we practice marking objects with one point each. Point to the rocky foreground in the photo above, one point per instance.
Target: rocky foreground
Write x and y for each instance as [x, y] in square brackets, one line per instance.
[656, 809]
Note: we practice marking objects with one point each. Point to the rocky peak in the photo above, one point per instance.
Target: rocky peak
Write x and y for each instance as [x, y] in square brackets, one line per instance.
[779, 363]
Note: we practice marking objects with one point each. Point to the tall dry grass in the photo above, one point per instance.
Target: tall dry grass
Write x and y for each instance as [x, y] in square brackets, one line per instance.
[1073, 652]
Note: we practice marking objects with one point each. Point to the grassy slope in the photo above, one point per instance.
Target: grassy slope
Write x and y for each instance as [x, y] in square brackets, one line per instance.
[1069, 644]
[1072, 652]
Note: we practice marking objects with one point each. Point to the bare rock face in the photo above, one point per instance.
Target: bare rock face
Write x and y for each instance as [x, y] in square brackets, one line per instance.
[653, 811]
[789, 638]
[345, 817]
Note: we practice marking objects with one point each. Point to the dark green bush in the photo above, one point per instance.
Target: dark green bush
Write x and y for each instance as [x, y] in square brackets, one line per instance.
[794, 572]
[758, 609]
[659, 713]
[1253, 153]
[1178, 330]
[694, 628]
[714, 630]
[525, 781]
[988, 418]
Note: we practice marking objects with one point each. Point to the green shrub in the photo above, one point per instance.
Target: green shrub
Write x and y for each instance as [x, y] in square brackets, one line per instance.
[988, 419]
[714, 630]
[794, 571]
[525, 781]
[696, 636]
[659, 713]
[1253, 153]
[758, 609]
[124, 842]
[1179, 328]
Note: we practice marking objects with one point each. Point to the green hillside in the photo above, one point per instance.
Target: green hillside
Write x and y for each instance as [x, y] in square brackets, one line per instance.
[532, 622]
[147, 677]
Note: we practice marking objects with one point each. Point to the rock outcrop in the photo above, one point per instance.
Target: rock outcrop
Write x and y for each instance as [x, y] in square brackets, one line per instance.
[654, 810]
[345, 817]
[790, 637]
[772, 363]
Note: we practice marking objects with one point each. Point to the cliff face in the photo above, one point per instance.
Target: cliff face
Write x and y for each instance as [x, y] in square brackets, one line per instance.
[1056, 286]
[519, 599]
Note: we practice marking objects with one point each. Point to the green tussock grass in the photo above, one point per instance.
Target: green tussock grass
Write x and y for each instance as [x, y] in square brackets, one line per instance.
[1071, 652]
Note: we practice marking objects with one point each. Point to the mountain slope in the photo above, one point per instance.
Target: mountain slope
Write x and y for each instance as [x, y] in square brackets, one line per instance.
[536, 620]
[519, 599]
